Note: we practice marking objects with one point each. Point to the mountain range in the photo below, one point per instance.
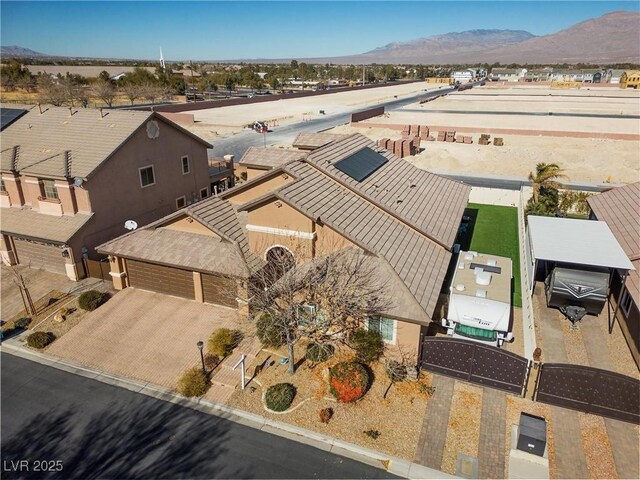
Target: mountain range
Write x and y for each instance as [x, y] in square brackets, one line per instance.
[611, 38]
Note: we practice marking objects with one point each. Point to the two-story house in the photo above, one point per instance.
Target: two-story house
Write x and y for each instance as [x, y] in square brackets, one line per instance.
[72, 177]
[507, 74]
[345, 194]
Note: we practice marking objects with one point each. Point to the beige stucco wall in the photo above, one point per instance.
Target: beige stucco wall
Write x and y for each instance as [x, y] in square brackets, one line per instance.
[255, 172]
[328, 240]
[14, 189]
[277, 214]
[301, 248]
[187, 224]
[260, 188]
[407, 342]
[115, 194]
[31, 190]
[66, 193]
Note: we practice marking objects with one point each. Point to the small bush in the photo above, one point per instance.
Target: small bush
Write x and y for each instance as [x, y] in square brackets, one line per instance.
[348, 381]
[326, 414]
[91, 300]
[268, 332]
[193, 383]
[373, 434]
[317, 353]
[211, 361]
[40, 339]
[222, 342]
[367, 344]
[279, 397]
[395, 371]
[22, 322]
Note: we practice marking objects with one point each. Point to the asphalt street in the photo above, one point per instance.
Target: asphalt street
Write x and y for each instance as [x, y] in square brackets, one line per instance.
[239, 143]
[63, 426]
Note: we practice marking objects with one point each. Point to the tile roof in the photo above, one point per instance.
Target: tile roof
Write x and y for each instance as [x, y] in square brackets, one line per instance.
[26, 222]
[429, 203]
[620, 208]
[420, 263]
[49, 142]
[231, 256]
[313, 140]
[270, 157]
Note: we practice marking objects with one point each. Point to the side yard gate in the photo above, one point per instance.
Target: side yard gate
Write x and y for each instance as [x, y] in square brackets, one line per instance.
[590, 390]
[476, 363]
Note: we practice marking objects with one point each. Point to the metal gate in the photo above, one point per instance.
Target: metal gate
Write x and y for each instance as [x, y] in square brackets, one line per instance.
[590, 390]
[476, 363]
[98, 268]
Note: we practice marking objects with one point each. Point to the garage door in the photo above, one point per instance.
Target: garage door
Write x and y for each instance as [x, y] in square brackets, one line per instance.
[40, 255]
[157, 278]
[219, 290]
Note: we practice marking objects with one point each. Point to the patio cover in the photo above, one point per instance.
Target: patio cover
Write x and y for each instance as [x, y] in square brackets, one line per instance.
[582, 242]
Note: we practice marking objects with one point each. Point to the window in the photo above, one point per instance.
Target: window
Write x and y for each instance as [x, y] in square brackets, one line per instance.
[185, 164]
[386, 326]
[308, 315]
[147, 177]
[2, 186]
[625, 302]
[181, 202]
[204, 193]
[50, 190]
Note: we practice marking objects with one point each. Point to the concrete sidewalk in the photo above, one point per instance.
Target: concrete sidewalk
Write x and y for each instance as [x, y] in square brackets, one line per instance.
[393, 465]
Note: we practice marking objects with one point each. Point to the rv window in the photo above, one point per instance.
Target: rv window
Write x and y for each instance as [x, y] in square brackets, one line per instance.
[625, 302]
[477, 333]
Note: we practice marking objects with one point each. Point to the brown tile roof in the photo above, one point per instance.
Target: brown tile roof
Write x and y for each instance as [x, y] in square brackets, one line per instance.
[229, 256]
[420, 263]
[312, 140]
[25, 222]
[430, 203]
[270, 157]
[42, 140]
[620, 208]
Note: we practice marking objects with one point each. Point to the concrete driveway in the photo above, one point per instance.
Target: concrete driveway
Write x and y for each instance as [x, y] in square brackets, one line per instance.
[144, 335]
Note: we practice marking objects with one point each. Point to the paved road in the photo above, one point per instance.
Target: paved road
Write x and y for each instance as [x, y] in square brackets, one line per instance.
[239, 143]
[98, 431]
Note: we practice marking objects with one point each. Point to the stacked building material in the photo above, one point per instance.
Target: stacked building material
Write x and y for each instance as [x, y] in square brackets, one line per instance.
[498, 141]
[468, 139]
[451, 136]
[464, 139]
[441, 136]
[402, 147]
[383, 142]
[484, 139]
[405, 131]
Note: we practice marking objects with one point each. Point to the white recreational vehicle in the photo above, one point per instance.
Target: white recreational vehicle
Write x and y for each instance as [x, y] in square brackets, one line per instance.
[480, 299]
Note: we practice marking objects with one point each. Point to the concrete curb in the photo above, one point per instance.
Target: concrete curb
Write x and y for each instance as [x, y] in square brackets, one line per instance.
[393, 465]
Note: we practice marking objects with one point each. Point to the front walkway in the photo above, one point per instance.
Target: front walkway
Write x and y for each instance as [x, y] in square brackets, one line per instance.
[149, 337]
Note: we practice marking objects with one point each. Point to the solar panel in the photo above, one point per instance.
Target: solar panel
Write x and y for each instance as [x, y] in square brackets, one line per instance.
[10, 115]
[361, 164]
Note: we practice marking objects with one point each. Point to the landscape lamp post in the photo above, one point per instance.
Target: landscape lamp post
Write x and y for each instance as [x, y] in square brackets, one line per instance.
[200, 346]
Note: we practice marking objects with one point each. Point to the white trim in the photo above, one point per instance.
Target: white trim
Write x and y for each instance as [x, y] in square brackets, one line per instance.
[117, 274]
[205, 189]
[153, 170]
[282, 232]
[182, 164]
[181, 198]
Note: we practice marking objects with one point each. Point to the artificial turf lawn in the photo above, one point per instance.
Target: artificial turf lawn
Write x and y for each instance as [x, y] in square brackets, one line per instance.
[494, 229]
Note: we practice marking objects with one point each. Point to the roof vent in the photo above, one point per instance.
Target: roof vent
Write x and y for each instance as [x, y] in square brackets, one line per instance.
[413, 185]
[492, 262]
[459, 287]
[470, 255]
[481, 293]
[461, 266]
[483, 278]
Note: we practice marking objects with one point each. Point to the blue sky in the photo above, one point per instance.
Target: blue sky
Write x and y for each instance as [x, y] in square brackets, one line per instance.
[232, 30]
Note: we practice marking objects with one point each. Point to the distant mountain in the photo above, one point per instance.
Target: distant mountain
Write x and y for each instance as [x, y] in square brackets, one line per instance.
[17, 51]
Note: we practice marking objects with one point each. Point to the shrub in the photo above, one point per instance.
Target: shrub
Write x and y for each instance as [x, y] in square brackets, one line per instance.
[269, 333]
[317, 353]
[279, 397]
[395, 371]
[348, 381]
[193, 383]
[40, 339]
[222, 342]
[373, 434]
[22, 322]
[91, 300]
[367, 344]
[211, 361]
[326, 414]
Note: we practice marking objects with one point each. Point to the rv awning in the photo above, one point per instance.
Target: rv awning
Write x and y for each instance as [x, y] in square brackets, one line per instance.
[582, 242]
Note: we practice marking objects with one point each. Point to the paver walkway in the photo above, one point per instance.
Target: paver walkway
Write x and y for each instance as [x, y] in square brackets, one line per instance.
[436, 421]
[491, 450]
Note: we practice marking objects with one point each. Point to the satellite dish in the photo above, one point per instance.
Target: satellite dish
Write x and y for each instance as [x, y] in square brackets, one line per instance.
[77, 181]
[130, 225]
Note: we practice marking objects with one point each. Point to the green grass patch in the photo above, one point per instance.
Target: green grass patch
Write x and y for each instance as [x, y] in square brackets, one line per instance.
[494, 229]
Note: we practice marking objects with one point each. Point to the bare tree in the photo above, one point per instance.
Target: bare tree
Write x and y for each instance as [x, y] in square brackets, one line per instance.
[150, 92]
[21, 283]
[105, 91]
[50, 91]
[323, 300]
[131, 91]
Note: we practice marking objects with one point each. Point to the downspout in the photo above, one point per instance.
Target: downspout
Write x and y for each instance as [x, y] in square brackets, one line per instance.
[615, 312]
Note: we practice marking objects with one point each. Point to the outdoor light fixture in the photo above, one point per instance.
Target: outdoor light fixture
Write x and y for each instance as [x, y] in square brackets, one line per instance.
[200, 345]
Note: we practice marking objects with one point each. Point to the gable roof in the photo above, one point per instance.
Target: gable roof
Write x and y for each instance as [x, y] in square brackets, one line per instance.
[313, 140]
[25, 222]
[229, 255]
[620, 209]
[420, 263]
[270, 157]
[57, 144]
[432, 204]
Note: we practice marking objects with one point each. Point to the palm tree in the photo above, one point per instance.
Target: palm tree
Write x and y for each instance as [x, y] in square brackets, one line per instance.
[546, 177]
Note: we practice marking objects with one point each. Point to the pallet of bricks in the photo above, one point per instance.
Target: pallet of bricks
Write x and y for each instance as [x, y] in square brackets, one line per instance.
[447, 136]
[463, 139]
[484, 139]
[401, 148]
